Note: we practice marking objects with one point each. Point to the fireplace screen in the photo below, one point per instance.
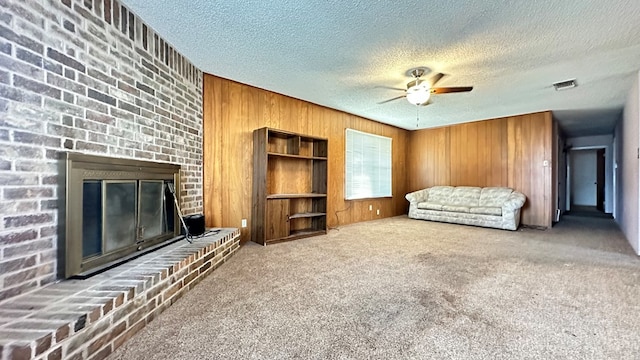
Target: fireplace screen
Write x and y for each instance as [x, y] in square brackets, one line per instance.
[119, 226]
[115, 208]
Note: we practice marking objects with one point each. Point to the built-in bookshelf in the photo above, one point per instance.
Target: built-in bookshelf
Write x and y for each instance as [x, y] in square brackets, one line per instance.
[289, 186]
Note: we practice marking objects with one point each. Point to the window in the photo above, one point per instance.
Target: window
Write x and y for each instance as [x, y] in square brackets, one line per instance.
[367, 165]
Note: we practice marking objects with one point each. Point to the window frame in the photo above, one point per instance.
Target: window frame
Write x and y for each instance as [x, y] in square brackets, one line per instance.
[382, 165]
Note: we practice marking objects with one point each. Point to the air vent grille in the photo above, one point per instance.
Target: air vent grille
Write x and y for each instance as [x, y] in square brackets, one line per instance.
[567, 84]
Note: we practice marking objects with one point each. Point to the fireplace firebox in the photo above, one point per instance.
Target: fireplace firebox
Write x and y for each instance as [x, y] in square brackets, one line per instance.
[114, 210]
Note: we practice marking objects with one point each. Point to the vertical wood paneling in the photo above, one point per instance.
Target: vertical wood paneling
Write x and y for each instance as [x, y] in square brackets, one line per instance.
[232, 170]
[554, 170]
[454, 150]
[212, 168]
[482, 153]
[471, 154]
[535, 160]
[210, 149]
[551, 156]
[249, 119]
[233, 111]
[499, 152]
[531, 165]
[434, 158]
[497, 172]
[444, 157]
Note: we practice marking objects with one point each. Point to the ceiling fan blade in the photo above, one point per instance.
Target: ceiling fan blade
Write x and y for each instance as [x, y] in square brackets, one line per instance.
[454, 89]
[395, 98]
[435, 78]
[390, 88]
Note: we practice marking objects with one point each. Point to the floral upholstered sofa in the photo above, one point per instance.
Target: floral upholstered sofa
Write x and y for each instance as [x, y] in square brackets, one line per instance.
[496, 207]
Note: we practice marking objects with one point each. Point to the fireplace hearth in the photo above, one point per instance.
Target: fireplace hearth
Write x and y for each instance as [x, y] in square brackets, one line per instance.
[90, 318]
[115, 210]
[112, 207]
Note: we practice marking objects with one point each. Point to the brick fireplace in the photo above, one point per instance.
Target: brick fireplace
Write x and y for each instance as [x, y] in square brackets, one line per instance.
[89, 77]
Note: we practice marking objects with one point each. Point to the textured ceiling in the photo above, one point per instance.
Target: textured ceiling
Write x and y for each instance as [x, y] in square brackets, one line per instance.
[341, 54]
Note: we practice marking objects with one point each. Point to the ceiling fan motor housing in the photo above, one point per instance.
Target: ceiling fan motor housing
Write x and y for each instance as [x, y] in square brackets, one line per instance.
[418, 83]
[418, 91]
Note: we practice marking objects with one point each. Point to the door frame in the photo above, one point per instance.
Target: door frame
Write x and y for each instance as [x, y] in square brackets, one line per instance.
[568, 183]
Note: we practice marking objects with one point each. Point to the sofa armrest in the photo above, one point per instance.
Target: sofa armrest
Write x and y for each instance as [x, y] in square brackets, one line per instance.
[515, 201]
[418, 196]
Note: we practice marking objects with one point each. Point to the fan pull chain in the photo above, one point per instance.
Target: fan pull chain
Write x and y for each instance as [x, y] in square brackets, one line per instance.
[417, 117]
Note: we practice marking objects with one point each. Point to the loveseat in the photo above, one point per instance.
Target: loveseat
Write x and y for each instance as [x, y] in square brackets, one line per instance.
[496, 207]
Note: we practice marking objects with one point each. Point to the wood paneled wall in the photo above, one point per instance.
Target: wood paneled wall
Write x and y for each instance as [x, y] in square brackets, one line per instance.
[233, 110]
[514, 151]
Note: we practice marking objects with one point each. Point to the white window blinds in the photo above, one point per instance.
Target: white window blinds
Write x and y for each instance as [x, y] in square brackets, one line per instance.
[367, 165]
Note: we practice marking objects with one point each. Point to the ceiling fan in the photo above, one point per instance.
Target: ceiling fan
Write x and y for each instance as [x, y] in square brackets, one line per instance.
[419, 91]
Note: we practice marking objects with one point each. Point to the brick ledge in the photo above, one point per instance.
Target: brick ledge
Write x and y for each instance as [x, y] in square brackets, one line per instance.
[89, 319]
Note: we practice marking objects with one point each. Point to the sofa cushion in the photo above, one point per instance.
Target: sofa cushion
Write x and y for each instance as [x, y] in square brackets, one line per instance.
[429, 206]
[455, 208]
[494, 196]
[486, 210]
[440, 194]
[464, 196]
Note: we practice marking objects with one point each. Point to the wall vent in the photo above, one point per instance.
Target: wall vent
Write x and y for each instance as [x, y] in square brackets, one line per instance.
[567, 84]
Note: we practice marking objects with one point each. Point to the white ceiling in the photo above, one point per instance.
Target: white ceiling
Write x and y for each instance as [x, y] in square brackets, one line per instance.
[341, 54]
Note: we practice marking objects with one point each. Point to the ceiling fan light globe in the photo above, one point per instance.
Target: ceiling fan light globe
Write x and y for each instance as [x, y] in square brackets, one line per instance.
[418, 94]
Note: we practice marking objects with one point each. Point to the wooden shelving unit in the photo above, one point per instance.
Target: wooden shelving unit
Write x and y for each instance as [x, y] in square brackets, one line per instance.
[289, 186]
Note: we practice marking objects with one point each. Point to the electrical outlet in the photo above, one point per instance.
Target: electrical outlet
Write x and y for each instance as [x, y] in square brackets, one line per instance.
[370, 207]
[244, 223]
[378, 212]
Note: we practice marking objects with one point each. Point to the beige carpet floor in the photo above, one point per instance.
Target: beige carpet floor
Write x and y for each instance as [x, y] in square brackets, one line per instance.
[398, 288]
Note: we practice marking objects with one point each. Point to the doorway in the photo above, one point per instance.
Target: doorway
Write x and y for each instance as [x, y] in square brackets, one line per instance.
[586, 186]
[600, 179]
